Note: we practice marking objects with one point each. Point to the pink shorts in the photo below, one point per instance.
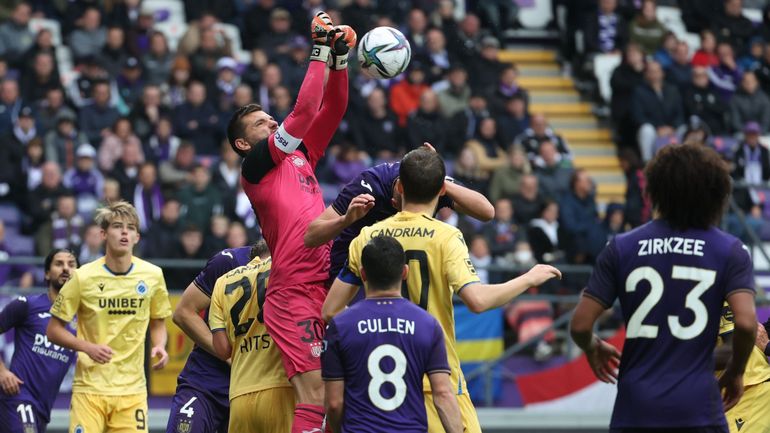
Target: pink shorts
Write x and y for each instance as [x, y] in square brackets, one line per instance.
[293, 318]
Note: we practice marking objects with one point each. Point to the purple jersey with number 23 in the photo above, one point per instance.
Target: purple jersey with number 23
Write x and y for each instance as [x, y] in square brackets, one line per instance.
[671, 286]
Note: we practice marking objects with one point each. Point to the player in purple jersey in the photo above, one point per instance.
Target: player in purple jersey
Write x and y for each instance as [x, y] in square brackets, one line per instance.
[30, 385]
[371, 197]
[672, 277]
[201, 403]
[377, 352]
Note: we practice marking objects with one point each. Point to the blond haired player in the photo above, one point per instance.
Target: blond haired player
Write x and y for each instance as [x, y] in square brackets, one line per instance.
[261, 397]
[439, 267]
[752, 413]
[115, 299]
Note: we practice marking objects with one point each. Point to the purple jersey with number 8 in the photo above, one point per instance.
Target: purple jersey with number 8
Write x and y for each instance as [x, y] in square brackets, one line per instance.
[381, 348]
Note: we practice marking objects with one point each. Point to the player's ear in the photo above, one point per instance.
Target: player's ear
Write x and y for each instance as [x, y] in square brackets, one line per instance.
[405, 272]
[443, 189]
[241, 144]
[399, 186]
[362, 272]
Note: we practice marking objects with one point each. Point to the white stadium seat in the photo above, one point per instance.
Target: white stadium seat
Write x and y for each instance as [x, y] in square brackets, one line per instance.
[36, 24]
[232, 33]
[604, 65]
[755, 15]
[175, 9]
[173, 31]
[536, 15]
[671, 17]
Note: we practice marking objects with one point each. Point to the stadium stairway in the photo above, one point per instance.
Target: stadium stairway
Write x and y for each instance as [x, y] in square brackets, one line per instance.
[569, 115]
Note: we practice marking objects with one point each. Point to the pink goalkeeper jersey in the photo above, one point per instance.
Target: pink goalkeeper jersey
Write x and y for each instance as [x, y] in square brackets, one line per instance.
[286, 200]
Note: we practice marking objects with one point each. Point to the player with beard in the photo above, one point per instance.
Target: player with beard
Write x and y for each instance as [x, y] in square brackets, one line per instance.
[29, 387]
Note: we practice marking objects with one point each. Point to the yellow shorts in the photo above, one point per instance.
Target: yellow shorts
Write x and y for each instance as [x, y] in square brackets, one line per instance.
[267, 411]
[752, 413]
[108, 413]
[467, 413]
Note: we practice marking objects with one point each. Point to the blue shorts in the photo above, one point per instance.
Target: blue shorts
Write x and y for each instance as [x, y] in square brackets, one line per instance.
[20, 416]
[193, 411]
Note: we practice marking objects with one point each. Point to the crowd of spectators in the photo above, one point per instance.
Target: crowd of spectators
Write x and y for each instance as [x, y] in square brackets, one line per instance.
[142, 120]
[665, 92]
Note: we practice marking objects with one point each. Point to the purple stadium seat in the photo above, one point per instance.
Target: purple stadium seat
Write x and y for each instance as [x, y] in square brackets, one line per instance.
[10, 215]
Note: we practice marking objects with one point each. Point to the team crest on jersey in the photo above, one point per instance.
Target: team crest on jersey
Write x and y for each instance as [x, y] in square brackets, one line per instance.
[141, 288]
[30, 428]
[299, 162]
[79, 429]
[184, 426]
[316, 348]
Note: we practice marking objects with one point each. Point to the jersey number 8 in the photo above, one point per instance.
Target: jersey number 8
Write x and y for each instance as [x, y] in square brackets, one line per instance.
[379, 377]
[705, 279]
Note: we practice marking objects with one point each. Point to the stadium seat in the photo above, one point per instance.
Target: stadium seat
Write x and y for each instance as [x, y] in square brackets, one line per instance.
[234, 34]
[671, 17]
[692, 40]
[173, 31]
[175, 9]
[64, 59]
[21, 245]
[604, 65]
[36, 24]
[10, 216]
[536, 14]
[755, 15]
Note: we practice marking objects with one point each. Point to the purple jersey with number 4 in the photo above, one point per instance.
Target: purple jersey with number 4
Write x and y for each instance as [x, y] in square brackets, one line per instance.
[40, 364]
[671, 286]
[378, 181]
[204, 371]
[381, 348]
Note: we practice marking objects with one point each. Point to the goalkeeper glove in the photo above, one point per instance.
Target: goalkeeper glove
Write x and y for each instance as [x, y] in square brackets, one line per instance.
[343, 40]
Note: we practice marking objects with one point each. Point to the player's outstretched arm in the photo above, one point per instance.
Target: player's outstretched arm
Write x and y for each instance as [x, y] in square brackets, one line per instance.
[338, 298]
[158, 338]
[602, 356]
[58, 334]
[334, 401]
[330, 224]
[482, 297]
[446, 402]
[744, 335]
[470, 202]
[186, 316]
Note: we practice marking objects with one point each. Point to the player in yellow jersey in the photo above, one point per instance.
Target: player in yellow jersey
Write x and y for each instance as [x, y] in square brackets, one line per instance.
[439, 267]
[261, 397]
[115, 299]
[752, 413]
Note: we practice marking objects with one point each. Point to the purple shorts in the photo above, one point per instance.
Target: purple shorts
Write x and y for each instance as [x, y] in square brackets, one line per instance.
[19, 416]
[193, 411]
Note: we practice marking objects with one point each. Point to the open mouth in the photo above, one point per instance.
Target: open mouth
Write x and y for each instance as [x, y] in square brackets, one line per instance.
[124, 242]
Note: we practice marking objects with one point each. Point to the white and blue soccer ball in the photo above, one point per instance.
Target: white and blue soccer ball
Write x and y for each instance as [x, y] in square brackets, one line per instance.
[384, 52]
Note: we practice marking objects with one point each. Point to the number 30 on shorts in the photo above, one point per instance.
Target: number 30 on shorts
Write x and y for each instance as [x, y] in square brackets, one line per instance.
[313, 329]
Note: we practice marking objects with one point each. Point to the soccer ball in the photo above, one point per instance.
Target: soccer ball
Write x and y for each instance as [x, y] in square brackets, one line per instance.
[384, 52]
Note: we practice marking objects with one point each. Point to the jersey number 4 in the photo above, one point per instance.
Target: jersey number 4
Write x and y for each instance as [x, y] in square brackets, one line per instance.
[703, 277]
[235, 311]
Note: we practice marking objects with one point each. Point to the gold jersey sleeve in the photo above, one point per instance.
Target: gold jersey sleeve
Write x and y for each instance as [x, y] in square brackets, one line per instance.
[439, 266]
[757, 367]
[236, 309]
[115, 310]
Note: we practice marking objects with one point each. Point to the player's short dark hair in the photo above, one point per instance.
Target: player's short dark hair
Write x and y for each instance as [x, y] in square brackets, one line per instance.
[53, 253]
[235, 128]
[259, 249]
[422, 174]
[383, 261]
[689, 186]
